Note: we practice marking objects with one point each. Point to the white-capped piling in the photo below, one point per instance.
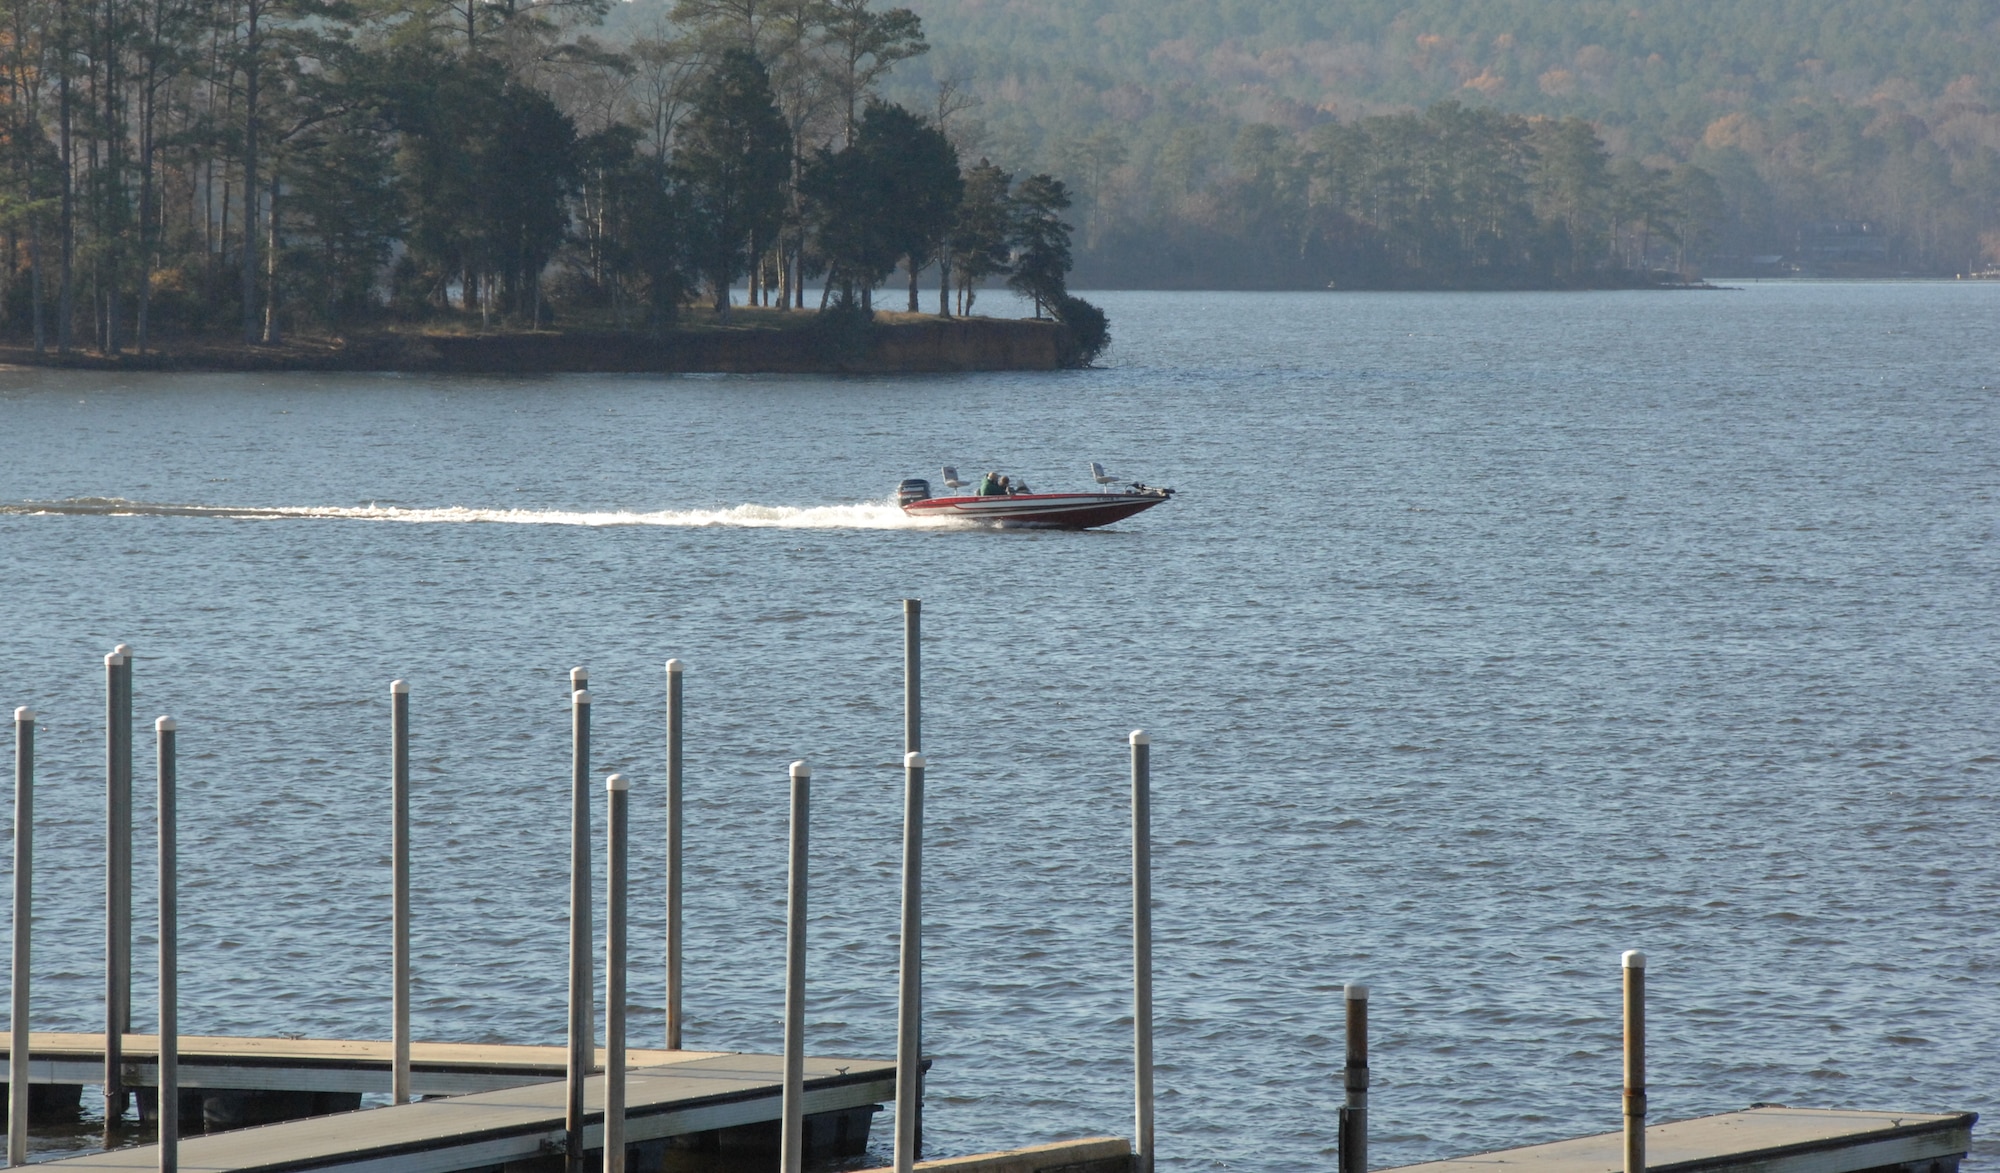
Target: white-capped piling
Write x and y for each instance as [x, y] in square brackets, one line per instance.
[1142, 952]
[579, 681]
[399, 864]
[909, 976]
[913, 676]
[582, 989]
[1634, 965]
[792, 1128]
[674, 869]
[168, 819]
[615, 812]
[117, 875]
[1353, 1142]
[24, 923]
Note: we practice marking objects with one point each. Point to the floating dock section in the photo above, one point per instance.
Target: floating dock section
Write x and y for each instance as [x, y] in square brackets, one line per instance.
[313, 1065]
[1760, 1140]
[522, 1128]
[1096, 1154]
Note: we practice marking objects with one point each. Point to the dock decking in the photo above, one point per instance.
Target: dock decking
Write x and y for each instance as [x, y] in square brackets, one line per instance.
[1759, 1140]
[314, 1065]
[488, 1129]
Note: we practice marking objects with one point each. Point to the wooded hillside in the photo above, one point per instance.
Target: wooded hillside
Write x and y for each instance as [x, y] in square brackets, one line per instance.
[1844, 135]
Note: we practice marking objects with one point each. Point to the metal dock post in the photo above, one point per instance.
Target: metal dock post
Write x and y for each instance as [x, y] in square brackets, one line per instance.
[1142, 951]
[913, 743]
[792, 1126]
[169, 1081]
[582, 989]
[616, 800]
[117, 876]
[1634, 965]
[24, 924]
[910, 977]
[675, 815]
[399, 865]
[1353, 1143]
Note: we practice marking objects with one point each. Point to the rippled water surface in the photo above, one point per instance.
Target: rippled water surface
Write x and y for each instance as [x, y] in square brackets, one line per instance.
[1489, 636]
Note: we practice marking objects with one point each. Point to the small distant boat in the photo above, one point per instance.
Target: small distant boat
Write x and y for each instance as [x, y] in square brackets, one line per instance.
[1027, 510]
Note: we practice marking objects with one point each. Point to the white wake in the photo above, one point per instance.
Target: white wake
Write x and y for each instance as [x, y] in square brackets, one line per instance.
[861, 515]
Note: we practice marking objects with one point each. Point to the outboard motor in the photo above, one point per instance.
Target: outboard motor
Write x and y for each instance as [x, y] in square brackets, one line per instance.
[913, 489]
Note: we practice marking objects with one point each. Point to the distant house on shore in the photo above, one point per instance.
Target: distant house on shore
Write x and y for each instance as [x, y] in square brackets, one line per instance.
[1841, 243]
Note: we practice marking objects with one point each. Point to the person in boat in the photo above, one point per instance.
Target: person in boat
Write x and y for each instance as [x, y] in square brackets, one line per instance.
[989, 485]
[1006, 486]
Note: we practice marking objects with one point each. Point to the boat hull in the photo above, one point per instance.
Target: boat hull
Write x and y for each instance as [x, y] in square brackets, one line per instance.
[1038, 510]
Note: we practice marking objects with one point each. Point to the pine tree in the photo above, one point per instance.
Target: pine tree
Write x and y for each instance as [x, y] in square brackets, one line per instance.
[734, 160]
[1041, 241]
[981, 240]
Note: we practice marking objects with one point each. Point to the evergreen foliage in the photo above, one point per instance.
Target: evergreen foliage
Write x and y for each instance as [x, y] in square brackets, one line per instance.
[734, 161]
[633, 232]
[851, 213]
[1041, 241]
[1041, 266]
[982, 238]
[917, 170]
[1089, 329]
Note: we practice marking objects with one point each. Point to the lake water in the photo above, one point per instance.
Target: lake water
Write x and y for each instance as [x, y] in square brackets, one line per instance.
[1489, 636]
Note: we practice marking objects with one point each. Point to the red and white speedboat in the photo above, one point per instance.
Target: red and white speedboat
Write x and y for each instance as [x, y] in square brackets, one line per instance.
[1031, 510]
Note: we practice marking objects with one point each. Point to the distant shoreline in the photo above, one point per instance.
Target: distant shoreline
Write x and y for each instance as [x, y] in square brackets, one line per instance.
[1089, 282]
[756, 341]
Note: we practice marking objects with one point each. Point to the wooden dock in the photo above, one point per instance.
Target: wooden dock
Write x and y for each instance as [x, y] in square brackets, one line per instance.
[313, 1065]
[487, 1130]
[1760, 1140]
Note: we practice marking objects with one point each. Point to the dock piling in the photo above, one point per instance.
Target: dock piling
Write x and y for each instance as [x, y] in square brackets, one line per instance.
[169, 1078]
[581, 988]
[1142, 951]
[1634, 965]
[616, 804]
[24, 923]
[1353, 1143]
[913, 676]
[909, 978]
[579, 680]
[117, 875]
[399, 853]
[913, 743]
[674, 819]
[792, 1127]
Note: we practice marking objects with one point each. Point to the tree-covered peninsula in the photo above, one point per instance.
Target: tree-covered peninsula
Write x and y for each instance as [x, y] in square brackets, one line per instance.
[184, 171]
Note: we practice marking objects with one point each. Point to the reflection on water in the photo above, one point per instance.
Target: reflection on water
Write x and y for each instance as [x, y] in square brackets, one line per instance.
[1490, 636]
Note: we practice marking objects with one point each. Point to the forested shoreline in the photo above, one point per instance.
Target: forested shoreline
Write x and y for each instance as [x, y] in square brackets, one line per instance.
[1205, 143]
[1455, 197]
[200, 168]
[251, 169]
